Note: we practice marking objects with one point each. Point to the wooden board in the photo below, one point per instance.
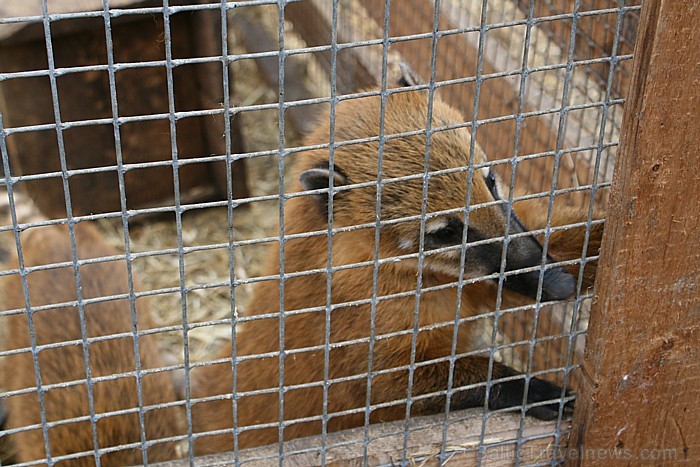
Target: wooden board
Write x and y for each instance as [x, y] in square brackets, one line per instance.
[256, 39]
[457, 56]
[641, 383]
[595, 35]
[312, 23]
[20, 32]
[424, 443]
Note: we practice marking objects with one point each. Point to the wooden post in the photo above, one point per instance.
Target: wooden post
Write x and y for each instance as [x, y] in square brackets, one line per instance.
[206, 41]
[641, 374]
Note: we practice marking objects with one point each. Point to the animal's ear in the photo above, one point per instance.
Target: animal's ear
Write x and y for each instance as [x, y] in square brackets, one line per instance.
[407, 77]
[319, 178]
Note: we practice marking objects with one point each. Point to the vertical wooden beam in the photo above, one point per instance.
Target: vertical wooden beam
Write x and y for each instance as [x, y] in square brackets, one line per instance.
[641, 382]
[206, 41]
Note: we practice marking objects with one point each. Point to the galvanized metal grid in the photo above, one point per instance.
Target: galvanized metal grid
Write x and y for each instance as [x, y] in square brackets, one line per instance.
[606, 140]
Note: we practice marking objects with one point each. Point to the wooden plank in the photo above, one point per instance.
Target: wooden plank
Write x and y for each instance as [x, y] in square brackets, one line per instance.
[594, 35]
[312, 21]
[457, 56]
[20, 32]
[256, 39]
[641, 383]
[424, 443]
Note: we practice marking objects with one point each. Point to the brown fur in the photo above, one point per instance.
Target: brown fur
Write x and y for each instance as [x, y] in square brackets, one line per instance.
[65, 364]
[359, 119]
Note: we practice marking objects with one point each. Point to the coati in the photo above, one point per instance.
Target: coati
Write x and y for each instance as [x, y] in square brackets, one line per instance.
[304, 292]
[64, 364]
[350, 327]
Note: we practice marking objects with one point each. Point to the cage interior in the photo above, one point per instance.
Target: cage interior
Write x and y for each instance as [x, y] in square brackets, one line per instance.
[175, 131]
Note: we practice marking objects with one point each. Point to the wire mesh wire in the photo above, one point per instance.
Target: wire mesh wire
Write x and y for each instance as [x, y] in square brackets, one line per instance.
[108, 118]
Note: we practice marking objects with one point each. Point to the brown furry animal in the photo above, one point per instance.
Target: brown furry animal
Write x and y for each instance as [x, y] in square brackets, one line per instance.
[257, 397]
[48, 245]
[350, 326]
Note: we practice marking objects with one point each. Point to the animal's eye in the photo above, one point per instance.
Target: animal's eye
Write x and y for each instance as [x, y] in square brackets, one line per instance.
[447, 234]
[491, 182]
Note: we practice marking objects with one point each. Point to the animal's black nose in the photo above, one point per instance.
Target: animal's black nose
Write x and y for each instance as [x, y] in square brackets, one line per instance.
[557, 284]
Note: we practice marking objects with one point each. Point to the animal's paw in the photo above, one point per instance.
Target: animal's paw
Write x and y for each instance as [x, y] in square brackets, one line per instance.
[510, 394]
[541, 390]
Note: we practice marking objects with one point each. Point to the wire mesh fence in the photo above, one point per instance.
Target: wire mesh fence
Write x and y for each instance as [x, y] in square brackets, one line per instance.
[229, 225]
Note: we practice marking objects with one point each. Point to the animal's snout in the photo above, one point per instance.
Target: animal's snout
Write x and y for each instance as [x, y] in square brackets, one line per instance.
[557, 284]
[525, 252]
